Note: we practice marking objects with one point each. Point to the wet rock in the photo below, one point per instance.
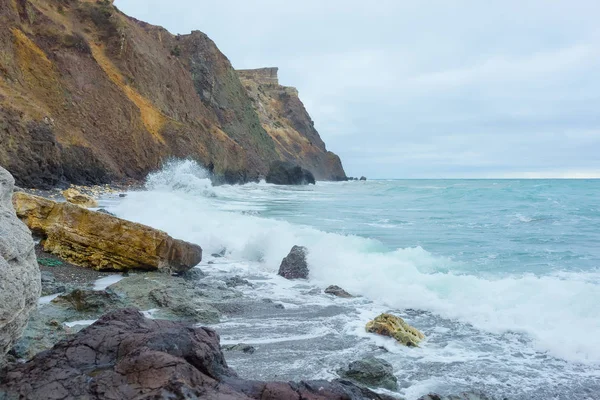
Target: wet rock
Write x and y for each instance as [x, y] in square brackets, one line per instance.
[124, 356]
[395, 327]
[103, 211]
[371, 371]
[294, 265]
[462, 396]
[49, 284]
[363, 178]
[173, 302]
[237, 281]
[20, 284]
[122, 195]
[337, 291]
[89, 302]
[100, 241]
[220, 254]
[244, 348]
[173, 298]
[42, 332]
[286, 173]
[74, 196]
[193, 274]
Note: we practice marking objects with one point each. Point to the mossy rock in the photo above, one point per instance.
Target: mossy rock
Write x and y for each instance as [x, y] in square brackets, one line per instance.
[395, 327]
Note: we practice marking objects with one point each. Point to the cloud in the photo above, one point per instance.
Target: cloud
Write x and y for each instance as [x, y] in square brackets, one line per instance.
[407, 89]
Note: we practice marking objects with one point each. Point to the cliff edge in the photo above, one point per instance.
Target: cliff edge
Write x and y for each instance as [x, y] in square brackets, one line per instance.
[89, 95]
[284, 117]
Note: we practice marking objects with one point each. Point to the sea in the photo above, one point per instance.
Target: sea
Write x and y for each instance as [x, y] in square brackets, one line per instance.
[502, 276]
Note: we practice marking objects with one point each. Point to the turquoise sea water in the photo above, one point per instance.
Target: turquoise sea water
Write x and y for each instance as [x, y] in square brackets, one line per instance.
[502, 275]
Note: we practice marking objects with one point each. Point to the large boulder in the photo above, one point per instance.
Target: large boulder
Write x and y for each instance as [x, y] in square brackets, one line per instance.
[372, 372]
[74, 196]
[101, 241]
[286, 173]
[294, 265]
[20, 284]
[395, 327]
[125, 356]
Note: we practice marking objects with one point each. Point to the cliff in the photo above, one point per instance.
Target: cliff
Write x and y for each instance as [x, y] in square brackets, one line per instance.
[89, 95]
[284, 117]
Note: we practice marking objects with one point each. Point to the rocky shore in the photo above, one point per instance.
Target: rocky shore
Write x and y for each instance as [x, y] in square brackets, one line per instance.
[101, 333]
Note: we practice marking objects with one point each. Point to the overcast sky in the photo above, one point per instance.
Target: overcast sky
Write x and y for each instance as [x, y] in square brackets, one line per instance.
[424, 89]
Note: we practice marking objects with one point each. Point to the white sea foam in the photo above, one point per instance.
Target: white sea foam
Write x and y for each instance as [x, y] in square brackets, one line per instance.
[48, 299]
[84, 322]
[105, 282]
[558, 312]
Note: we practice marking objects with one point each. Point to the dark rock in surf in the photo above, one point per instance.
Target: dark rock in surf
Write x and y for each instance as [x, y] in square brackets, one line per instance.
[237, 281]
[124, 355]
[294, 265]
[244, 348]
[363, 178]
[371, 371]
[338, 291]
[286, 173]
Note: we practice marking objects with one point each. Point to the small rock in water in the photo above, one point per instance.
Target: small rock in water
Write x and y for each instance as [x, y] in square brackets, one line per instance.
[294, 266]
[122, 195]
[219, 254]
[246, 348]
[395, 327]
[338, 291]
[371, 371]
[237, 281]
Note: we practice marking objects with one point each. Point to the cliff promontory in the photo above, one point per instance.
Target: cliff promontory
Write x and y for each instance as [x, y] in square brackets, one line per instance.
[89, 95]
[287, 122]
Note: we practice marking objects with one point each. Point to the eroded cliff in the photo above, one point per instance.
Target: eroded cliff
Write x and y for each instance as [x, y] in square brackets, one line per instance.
[89, 95]
[284, 117]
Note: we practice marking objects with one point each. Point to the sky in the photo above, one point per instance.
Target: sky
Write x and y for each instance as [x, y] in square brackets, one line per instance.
[424, 89]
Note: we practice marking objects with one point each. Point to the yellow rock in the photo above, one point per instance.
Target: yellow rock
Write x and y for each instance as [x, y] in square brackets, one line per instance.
[73, 196]
[101, 241]
[395, 327]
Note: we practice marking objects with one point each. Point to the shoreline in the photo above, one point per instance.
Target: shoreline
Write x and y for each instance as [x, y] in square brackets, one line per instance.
[266, 306]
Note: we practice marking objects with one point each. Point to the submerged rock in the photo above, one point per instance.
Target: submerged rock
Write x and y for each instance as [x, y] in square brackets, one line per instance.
[244, 348]
[20, 284]
[395, 327]
[101, 241]
[294, 265]
[286, 173]
[236, 281]
[124, 356]
[372, 372]
[74, 196]
[337, 291]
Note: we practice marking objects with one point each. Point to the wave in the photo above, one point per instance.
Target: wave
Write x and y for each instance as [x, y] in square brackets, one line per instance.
[557, 311]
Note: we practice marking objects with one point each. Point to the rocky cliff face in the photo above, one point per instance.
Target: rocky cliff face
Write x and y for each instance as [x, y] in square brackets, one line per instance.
[19, 273]
[90, 95]
[287, 122]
